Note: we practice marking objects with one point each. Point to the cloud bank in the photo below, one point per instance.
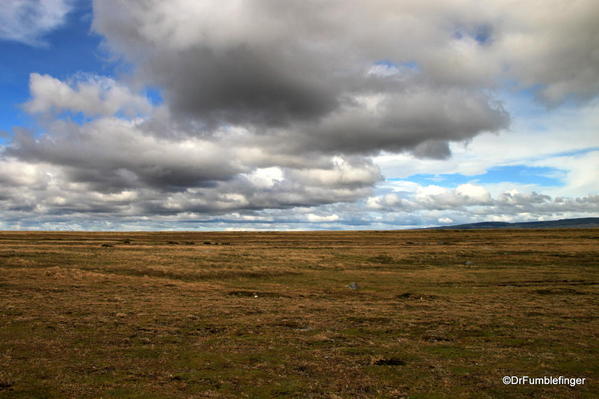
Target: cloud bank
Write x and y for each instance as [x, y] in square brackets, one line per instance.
[272, 105]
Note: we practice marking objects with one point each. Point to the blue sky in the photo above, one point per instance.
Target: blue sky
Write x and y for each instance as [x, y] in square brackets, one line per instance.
[136, 124]
[519, 174]
[67, 50]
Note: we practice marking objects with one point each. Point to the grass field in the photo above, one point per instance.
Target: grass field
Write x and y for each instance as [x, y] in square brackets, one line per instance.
[438, 314]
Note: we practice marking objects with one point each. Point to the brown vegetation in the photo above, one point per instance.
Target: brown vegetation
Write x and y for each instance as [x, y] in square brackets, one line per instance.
[437, 314]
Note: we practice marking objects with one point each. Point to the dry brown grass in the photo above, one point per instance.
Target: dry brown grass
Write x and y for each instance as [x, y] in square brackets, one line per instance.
[439, 314]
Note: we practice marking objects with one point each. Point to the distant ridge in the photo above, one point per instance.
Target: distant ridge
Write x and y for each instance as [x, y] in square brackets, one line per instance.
[550, 224]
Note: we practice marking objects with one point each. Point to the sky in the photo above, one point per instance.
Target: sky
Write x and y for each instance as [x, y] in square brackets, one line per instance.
[296, 115]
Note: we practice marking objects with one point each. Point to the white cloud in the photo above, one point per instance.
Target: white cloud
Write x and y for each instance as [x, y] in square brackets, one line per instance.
[475, 194]
[321, 218]
[28, 21]
[384, 201]
[266, 177]
[474, 201]
[537, 138]
[582, 174]
[89, 94]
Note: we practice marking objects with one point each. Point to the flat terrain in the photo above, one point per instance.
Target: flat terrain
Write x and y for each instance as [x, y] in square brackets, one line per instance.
[437, 314]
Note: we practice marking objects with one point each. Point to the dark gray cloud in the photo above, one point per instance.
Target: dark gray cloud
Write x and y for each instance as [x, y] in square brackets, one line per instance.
[421, 120]
[264, 63]
[114, 154]
[304, 72]
[240, 86]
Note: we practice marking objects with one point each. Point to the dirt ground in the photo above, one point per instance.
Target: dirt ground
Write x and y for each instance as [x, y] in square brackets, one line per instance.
[432, 314]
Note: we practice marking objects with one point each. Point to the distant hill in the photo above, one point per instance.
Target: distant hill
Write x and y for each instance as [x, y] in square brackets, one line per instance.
[551, 224]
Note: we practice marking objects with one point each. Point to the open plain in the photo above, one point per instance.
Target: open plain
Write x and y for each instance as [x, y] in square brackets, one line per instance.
[396, 314]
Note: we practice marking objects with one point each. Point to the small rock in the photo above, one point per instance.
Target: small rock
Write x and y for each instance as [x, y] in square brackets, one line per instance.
[353, 286]
[121, 315]
[436, 338]
[468, 263]
[5, 385]
[392, 361]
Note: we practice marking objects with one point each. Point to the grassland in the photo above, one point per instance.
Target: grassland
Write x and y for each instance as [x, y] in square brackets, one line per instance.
[438, 314]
